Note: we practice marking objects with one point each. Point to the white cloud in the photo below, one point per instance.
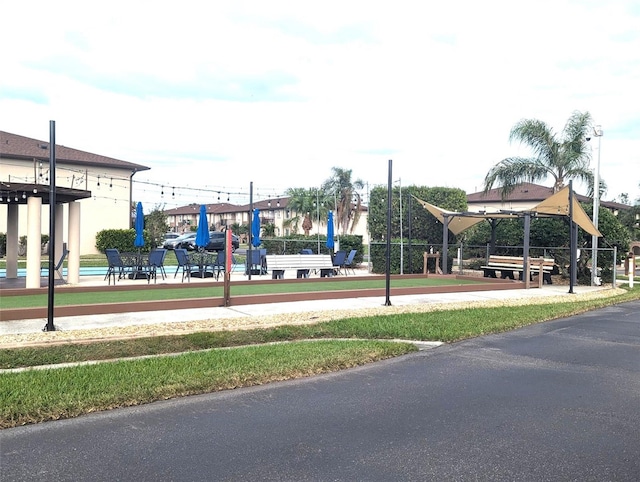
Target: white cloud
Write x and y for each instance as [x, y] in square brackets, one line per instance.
[216, 96]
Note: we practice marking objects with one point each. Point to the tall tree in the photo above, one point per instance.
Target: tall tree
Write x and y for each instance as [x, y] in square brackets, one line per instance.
[348, 200]
[562, 157]
[155, 224]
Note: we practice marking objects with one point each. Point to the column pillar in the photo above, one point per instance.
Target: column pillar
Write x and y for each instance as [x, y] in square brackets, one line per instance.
[34, 242]
[12, 241]
[57, 249]
[73, 241]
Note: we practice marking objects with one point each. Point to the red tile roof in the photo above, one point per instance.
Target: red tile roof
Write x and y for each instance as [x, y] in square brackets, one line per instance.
[14, 146]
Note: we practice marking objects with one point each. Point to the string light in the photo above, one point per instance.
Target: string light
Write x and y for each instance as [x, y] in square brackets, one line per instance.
[111, 184]
[98, 185]
[24, 195]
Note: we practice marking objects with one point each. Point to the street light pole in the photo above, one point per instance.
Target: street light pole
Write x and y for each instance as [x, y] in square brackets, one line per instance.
[597, 132]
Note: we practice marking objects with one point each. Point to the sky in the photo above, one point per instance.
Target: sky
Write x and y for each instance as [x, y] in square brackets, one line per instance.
[216, 95]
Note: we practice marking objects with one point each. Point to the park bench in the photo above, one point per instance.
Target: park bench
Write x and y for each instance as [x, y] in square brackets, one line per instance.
[508, 265]
[302, 263]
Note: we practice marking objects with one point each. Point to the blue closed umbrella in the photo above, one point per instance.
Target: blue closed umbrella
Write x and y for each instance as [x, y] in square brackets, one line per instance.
[330, 243]
[255, 228]
[202, 234]
[139, 242]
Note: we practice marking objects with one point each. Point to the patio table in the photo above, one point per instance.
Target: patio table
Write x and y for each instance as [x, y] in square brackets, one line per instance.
[204, 262]
[137, 264]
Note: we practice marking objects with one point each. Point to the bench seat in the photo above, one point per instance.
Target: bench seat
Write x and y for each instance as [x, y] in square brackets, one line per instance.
[302, 263]
[508, 265]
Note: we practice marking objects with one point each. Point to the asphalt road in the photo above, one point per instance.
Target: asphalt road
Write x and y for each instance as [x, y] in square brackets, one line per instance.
[554, 401]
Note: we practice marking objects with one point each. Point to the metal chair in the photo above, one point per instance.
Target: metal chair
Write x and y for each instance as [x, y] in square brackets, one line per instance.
[219, 264]
[156, 263]
[183, 263]
[338, 261]
[116, 265]
[257, 264]
[59, 264]
[348, 264]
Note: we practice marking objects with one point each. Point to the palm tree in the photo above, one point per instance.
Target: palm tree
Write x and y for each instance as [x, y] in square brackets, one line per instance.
[302, 201]
[562, 158]
[347, 200]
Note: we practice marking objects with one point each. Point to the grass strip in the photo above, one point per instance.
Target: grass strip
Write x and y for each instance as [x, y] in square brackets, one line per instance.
[446, 326]
[106, 296]
[41, 395]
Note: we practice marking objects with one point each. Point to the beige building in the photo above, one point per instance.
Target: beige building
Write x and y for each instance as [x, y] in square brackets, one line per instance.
[93, 193]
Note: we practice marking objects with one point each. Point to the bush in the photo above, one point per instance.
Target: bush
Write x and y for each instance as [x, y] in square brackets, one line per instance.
[294, 243]
[121, 239]
[415, 264]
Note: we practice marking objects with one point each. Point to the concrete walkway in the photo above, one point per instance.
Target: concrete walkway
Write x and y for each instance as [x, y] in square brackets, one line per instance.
[559, 292]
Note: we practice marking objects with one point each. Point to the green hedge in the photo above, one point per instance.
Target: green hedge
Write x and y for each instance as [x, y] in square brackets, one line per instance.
[121, 239]
[415, 264]
[295, 243]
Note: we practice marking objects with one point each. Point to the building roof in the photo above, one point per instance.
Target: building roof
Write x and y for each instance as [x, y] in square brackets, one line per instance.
[227, 208]
[14, 146]
[524, 192]
[529, 192]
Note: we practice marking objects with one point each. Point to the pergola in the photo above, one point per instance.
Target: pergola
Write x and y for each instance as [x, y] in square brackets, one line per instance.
[560, 204]
[34, 196]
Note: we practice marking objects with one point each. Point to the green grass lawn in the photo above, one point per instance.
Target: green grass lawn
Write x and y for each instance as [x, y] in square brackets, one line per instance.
[203, 366]
[195, 291]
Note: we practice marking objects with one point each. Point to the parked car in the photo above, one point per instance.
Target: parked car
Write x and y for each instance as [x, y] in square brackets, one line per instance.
[180, 241]
[168, 237]
[216, 242]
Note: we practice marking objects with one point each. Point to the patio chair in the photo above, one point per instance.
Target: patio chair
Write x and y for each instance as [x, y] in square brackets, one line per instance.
[338, 261]
[156, 263]
[58, 266]
[116, 265]
[183, 263]
[257, 264]
[219, 264]
[348, 264]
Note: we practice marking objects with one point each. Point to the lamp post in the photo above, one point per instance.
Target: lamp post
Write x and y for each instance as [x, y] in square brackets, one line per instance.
[597, 132]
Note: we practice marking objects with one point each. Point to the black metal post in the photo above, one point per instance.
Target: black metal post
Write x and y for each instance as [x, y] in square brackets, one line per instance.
[573, 265]
[52, 226]
[445, 244]
[249, 256]
[388, 252]
[525, 249]
[409, 229]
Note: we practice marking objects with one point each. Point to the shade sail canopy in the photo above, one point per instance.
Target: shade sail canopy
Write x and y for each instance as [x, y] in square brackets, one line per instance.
[558, 205]
[458, 222]
[554, 206]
